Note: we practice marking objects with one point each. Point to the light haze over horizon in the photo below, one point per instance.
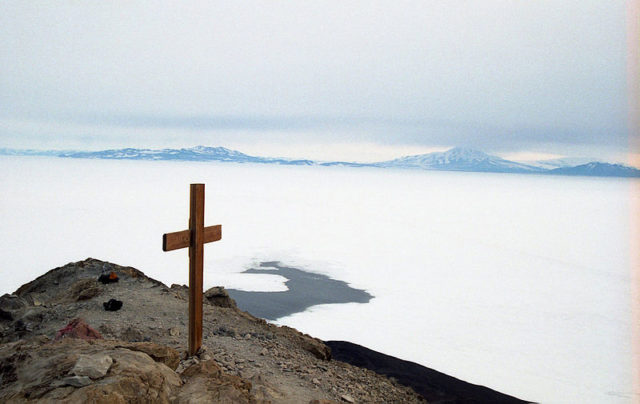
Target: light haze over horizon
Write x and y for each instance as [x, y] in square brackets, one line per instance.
[360, 81]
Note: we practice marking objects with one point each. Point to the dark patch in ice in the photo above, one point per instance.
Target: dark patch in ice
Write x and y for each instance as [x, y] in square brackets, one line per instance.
[306, 289]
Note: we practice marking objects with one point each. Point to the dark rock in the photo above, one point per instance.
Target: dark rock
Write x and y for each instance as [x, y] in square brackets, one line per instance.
[12, 302]
[77, 328]
[10, 305]
[6, 315]
[111, 277]
[112, 305]
[33, 315]
[21, 327]
[226, 332]
[218, 296]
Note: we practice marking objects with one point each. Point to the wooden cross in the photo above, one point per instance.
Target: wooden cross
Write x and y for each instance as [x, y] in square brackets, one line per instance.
[194, 238]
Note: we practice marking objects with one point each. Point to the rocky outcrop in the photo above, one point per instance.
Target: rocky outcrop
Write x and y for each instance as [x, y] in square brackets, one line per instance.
[318, 348]
[10, 305]
[51, 349]
[206, 383]
[66, 371]
[218, 296]
[83, 289]
[74, 371]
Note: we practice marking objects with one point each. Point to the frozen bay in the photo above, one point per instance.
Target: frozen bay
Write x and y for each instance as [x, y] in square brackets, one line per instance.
[521, 283]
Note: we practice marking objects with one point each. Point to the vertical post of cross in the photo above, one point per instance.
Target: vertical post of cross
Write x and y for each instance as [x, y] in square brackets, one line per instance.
[196, 257]
[194, 237]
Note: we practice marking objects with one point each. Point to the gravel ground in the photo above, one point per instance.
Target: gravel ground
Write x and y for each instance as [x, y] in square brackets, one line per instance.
[282, 364]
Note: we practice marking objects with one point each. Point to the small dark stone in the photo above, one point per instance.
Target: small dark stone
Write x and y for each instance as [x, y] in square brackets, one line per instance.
[111, 277]
[6, 315]
[132, 334]
[21, 326]
[112, 305]
[224, 331]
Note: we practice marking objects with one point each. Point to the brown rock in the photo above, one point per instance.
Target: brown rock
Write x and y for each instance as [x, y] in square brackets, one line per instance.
[41, 372]
[83, 289]
[159, 353]
[134, 377]
[265, 391]
[207, 384]
[209, 367]
[218, 296]
[308, 343]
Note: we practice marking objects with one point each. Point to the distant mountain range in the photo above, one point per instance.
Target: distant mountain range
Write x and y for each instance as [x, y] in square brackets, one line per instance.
[598, 170]
[456, 159]
[197, 153]
[460, 159]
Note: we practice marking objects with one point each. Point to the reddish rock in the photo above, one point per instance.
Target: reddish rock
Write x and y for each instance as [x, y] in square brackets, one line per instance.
[77, 328]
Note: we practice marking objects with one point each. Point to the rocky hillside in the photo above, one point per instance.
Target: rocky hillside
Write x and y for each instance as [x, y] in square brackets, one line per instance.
[59, 343]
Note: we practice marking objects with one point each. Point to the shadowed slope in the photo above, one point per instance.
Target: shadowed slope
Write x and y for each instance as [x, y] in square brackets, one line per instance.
[436, 387]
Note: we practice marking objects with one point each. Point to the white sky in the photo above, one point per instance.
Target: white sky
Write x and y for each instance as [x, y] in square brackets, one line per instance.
[361, 78]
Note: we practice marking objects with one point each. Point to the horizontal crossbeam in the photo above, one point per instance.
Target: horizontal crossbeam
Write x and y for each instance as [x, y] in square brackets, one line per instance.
[182, 239]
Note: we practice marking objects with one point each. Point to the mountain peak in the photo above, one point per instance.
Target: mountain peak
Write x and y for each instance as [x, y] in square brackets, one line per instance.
[460, 159]
[599, 169]
[209, 149]
[464, 149]
[466, 153]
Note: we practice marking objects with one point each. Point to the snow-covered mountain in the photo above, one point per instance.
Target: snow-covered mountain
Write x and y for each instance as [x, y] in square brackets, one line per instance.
[597, 169]
[197, 153]
[456, 159]
[563, 162]
[460, 159]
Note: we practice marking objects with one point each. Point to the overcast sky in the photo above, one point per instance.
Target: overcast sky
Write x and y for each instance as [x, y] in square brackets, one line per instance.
[358, 79]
